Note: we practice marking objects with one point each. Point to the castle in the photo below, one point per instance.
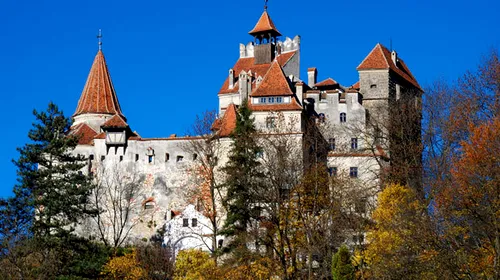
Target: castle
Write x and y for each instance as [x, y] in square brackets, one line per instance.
[267, 75]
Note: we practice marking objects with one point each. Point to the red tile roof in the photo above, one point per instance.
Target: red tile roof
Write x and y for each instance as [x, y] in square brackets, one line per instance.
[98, 96]
[265, 24]
[227, 123]
[380, 58]
[356, 85]
[327, 82]
[248, 64]
[85, 133]
[274, 83]
[115, 122]
[292, 106]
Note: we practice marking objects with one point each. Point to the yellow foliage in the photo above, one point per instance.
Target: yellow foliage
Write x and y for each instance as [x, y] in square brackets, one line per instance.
[193, 265]
[124, 267]
[261, 269]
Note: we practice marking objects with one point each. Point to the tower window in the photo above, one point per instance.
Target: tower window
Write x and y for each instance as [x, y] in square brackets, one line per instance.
[121, 158]
[150, 159]
[167, 157]
[194, 222]
[331, 144]
[103, 158]
[136, 157]
[185, 222]
[180, 158]
[354, 143]
[353, 172]
[373, 86]
[343, 117]
[195, 156]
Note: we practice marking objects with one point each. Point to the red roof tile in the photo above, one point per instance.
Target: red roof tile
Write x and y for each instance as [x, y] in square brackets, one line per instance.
[380, 58]
[248, 64]
[356, 85]
[228, 122]
[85, 133]
[115, 122]
[98, 96]
[327, 82]
[274, 83]
[265, 24]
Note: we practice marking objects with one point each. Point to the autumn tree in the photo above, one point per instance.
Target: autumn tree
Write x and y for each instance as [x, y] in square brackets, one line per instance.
[207, 182]
[342, 268]
[243, 180]
[195, 264]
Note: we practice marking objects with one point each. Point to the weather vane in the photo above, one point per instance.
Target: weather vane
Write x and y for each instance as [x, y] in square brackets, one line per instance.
[265, 5]
[99, 37]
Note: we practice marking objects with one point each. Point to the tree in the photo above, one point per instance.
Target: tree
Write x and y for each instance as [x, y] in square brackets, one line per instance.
[195, 264]
[124, 267]
[49, 176]
[205, 192]
[243, 179]
[342, 268]
[115, 196]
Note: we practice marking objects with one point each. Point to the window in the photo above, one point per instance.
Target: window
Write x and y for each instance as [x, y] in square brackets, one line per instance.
[121, 158]
[343, 117]
[353, 172]
[167, 157]
[150, 159]
[270, 100]
[331, 144]
[149, 205]
[373, 86]
[279, 99]
[194, 222]
[180, 158]
[103, 158]
[136, 157]
[195, 156]
[270, 122]
[259, 154]
[91, 157]
[262, 100]
[332, 171]
[185, 222]
[220, 242]
[354, 143]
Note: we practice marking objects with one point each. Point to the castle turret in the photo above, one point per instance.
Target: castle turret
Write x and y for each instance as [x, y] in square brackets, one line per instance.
[265, 36]
[98, 101]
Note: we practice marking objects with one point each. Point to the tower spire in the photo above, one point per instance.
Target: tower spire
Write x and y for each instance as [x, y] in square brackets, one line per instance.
[99, 38]
[265, 5]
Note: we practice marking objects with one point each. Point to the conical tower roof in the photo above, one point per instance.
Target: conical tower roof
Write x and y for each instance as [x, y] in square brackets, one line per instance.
[98, 96]
[265, 25]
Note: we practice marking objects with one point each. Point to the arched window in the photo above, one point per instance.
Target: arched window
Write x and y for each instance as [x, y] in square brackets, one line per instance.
[343, 117]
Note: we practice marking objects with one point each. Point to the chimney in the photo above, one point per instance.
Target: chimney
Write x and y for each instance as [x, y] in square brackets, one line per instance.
[231, 78]
[299, 91]
[312, 74]
[394, 57]
[245, 85]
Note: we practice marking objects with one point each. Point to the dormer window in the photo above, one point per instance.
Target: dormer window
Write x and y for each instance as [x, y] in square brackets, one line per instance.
[262, 100]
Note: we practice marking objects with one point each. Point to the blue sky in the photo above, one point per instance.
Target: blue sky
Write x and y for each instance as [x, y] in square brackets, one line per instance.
[168, 59]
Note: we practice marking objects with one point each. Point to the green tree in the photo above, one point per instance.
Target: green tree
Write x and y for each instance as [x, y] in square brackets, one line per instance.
[342, 268]
[242, 183]
[49, 176]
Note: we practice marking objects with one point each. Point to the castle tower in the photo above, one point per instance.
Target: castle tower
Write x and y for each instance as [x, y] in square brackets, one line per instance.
[98, 101]
[265, 36]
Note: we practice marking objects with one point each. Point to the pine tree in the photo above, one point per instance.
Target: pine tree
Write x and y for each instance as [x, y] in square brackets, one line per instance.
[52, 188]
[243, 178]
[342, 268]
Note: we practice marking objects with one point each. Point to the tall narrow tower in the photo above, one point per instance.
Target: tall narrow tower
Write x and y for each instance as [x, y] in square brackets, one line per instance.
[265, 36]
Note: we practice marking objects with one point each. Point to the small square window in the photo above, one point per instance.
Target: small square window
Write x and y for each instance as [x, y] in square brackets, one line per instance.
[185, 222]
[270, 122]
[167, 157]
[262, 100]
[103, 158]
[353, 172]
[136, 157]
[270, 100]
[194, 222]
[279, 99]
[332, 171]
[180, 158]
